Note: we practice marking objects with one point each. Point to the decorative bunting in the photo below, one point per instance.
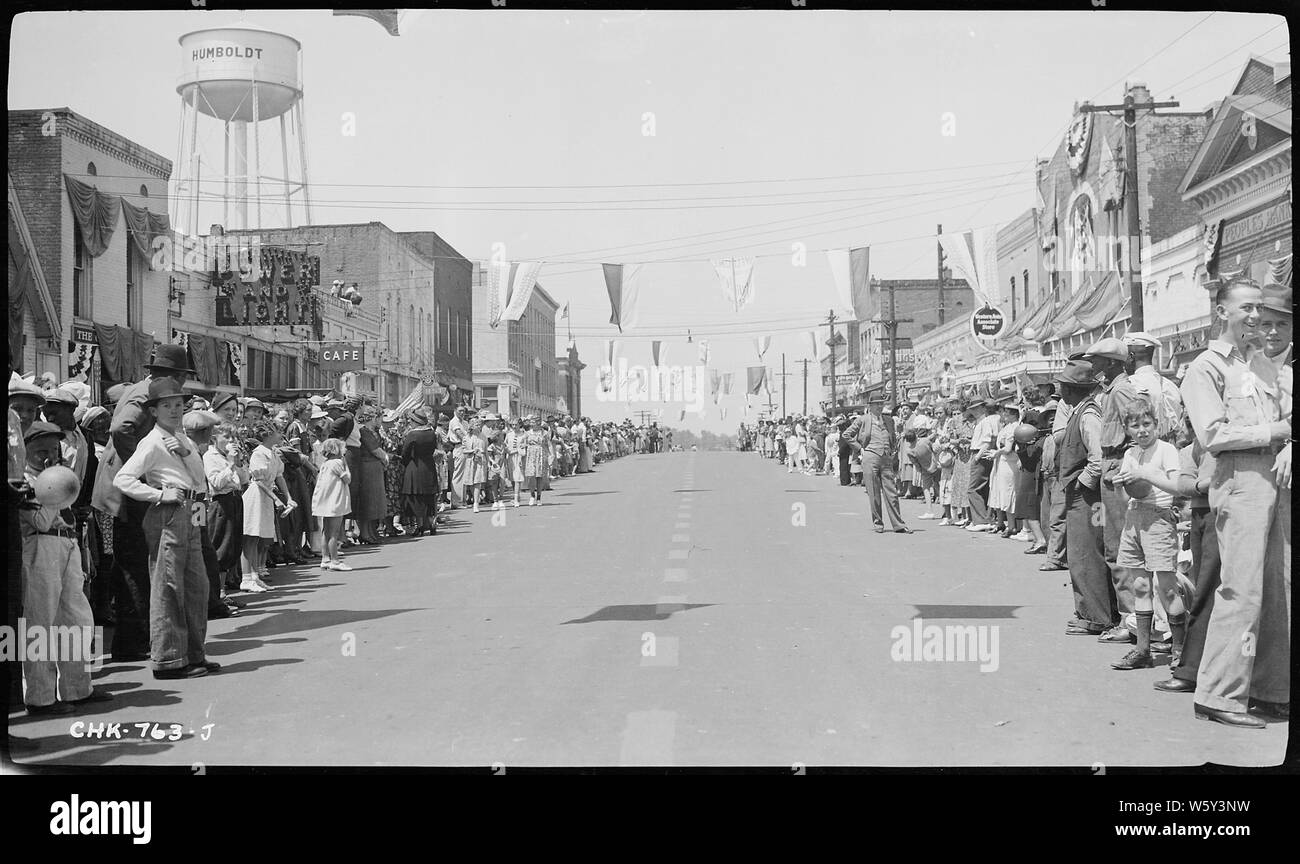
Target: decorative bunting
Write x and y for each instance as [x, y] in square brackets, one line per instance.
[622, 281]
[814, 342]
[564, 313]
[851, 270]
[704, 352]
[737, 277]
[973, 256]
[726, 383]
[509, 288]
[757, 376]
[761, 344]
[657, 352]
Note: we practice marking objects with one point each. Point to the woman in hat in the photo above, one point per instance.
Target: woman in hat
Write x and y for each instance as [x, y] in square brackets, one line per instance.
[419, 457]
[534, 444]
[226, 406]
[265, 493]
[226, 467]
[1029, 486]
[369, 500]
[1002, 477]
[513, 471]
[254, 410]
[392, 434]
[474, 449]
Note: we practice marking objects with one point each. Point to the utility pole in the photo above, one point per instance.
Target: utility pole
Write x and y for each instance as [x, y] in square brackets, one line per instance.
[832, 342]
[891, 326]
[1132, 216]
[940, 245]
[805, 363]
[783, 373]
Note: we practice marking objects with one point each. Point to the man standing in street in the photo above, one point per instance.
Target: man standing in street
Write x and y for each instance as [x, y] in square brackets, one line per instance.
[457, 432]
[1055, 524]
[131, 422]
[1079, 466]
[983, 446]
[1236, 416]
[874, 432]
[1109, 358]
[1151, 385]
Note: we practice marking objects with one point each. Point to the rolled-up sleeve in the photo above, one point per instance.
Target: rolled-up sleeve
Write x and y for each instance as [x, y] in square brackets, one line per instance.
[128, 480]
[1202, 396]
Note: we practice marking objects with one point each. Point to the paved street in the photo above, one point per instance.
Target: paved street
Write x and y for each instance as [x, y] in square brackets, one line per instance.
[664, 610]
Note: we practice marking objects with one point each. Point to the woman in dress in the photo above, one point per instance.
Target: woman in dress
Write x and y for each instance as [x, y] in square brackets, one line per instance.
[906, 440]
[392, 434]
[369, 500]
[332, 501]
[534, 445]
[226, 466]
[514, 464]
[299, 477]
[494, 441]
[960, 492]
[475, 450]
[266, 491]
[1002, 479]
[419, 457]
[1029, 489]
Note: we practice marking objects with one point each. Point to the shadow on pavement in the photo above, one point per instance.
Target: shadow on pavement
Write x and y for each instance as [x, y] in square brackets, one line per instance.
[640, 612]
[924, 611]
[294, 621]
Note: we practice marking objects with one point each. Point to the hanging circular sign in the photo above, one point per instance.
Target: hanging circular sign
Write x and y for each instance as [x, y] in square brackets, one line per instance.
[987, 322]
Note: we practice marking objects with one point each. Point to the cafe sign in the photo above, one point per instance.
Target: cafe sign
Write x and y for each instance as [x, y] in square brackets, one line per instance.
[341, 356]
[987, 322]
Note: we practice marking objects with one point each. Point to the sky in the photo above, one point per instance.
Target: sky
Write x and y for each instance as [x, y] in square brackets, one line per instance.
[772, 132]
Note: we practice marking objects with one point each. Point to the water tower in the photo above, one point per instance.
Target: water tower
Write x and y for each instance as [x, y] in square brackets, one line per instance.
[246, 78]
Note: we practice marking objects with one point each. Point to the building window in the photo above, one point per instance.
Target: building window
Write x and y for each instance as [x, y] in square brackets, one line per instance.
[91, 170]
[418, 323]
[410, 330]
[466, 343]
[134, 289]
[1013, 298]
[144, 191]
[1026, 288]
[83, 268]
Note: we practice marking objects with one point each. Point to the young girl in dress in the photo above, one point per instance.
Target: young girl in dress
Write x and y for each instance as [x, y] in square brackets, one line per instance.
[534, 461]
[266, 478]
[475, 450]
[332, 500]
[514, 465]
[960, 492]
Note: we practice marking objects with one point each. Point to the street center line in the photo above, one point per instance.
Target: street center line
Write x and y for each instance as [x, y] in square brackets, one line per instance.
[681, 538]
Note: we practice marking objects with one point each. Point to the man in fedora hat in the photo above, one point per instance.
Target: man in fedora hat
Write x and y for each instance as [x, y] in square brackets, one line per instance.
[59, 409]
[875, 433]
[983, 447]
[172, 486]
[132, 421]
[1110, 360]
[1079, 467]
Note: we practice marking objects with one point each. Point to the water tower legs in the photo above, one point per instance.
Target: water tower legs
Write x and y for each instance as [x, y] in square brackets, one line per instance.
[239, 138]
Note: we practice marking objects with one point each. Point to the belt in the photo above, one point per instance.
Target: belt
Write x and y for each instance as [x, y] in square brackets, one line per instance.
[69, 533]
[1253, 451]
[191, 495]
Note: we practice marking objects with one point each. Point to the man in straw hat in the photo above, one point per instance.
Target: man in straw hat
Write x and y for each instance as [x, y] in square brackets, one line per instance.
[132, 421]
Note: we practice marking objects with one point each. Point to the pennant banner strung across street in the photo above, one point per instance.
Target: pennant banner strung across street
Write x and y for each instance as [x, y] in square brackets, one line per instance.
[851, 270]
[509, 288]
[622, 281]
[726, 383]
[757, 376]
[761, 344]
[737, 277]
[715, 383]
[973, 256]
[704, 352]
[564, 313]
[657, 352]
[813, 342]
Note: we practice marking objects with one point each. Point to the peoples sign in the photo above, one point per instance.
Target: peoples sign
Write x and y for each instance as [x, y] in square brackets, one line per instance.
[341, 357]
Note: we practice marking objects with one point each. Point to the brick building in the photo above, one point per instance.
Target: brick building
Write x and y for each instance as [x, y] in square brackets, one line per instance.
[917, 299]
[92, 259]
[569, 368]
[1239, 182]
[516, 371]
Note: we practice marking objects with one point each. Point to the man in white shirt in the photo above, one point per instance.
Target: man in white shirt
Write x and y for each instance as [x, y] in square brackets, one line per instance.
[457, 432]
[176, 487]
[1157, 389]
[983, 446]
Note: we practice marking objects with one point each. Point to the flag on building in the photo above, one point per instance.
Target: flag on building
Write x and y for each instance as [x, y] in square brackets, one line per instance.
[737, 278]
[623, 282]
[851, 270]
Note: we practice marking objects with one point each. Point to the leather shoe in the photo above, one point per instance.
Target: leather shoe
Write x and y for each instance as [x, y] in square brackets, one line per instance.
[903, 530]
[1162, 647]
[1227, 718]
[1175, 685]
[210, 666]
[1036, 550]
[52, 708]
[1276, 711]
[1118, 634]
[1052, 565]
[184, 672]
[880, 529]
[1134, 659]
[1081, 630]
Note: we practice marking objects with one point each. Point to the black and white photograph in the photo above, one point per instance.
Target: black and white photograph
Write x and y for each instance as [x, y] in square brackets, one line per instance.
[588, 390]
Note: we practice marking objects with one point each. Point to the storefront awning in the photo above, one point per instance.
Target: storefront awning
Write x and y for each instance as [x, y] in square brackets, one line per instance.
[1034, 321]
[1090, 308]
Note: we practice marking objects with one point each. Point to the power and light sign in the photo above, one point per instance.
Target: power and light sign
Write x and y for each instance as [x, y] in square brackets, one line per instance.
[341, 356]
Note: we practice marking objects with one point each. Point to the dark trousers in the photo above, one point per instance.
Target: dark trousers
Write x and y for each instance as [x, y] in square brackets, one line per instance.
[844, 452]
[878, 477]
[1204, 540]
[978, 499]
[213, 568]
[130, 580]
[1052, 518]
[1114, 501]
[1094, 594]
